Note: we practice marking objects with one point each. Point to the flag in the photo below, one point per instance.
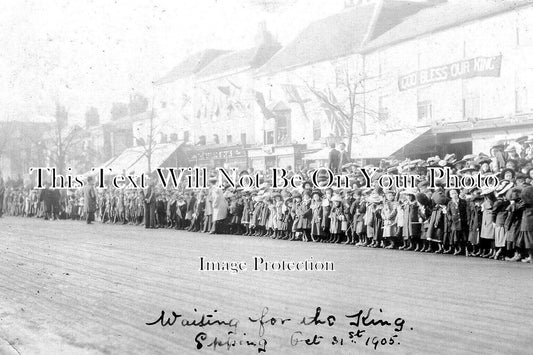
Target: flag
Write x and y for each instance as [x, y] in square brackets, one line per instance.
[261, 102]
[224, 90]
[293, 95]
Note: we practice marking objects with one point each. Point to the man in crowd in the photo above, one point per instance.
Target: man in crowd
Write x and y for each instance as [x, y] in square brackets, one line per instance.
[344, 156]
[2, 190]
[149, 205]
[334, 159]
[89, 200]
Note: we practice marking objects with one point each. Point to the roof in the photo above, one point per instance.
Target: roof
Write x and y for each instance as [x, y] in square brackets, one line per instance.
[241, 59]
[332, 37]
[386, 144]
[442, 16]
[341, 34]
[134, 159]
[191, 65]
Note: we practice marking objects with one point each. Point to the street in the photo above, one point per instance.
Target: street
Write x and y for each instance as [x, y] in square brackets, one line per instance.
[67, 287]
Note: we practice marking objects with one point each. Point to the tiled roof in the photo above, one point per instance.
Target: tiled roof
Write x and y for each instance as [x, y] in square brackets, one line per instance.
[443, 16]
[242, 59]
[191, 65]
[332, 37]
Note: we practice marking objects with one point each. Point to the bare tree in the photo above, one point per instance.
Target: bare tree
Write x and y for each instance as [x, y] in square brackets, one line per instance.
[271, 6]
[344, 103]
[7, 129]
[61, 140]
[149, 144]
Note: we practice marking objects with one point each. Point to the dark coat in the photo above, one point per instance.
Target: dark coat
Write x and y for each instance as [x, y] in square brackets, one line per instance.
[344, 158]
[334, 160]
[316, 228]
[412, 227]
[457, 215]
[499, 212]
[527, 218]
[47, 198]
[89, 199]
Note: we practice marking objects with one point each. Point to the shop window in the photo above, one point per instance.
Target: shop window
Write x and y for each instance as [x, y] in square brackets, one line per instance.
[186, 136]
[317, 130]
[424, 105]
[521, 100]
[269, 137]
[523, 90]
[524, 33]
[471, 102]
[425, 111]
[471, 107]
[282, 129]
[243, 138]
[228, 138]
[383, 109]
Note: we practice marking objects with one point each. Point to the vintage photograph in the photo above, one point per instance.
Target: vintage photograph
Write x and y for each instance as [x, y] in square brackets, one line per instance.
[266, 176]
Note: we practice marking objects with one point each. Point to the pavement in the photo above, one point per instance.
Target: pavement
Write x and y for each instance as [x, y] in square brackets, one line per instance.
[71, 288]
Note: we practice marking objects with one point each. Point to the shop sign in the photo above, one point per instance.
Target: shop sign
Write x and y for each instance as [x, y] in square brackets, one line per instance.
[470, 68]
[219, 154]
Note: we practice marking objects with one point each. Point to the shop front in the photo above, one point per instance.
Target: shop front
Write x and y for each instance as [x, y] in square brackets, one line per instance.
[216, 156]
[268, 156]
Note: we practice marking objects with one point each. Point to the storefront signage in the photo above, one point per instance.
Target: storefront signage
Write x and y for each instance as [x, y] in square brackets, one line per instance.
[475, 67]
[219, 154]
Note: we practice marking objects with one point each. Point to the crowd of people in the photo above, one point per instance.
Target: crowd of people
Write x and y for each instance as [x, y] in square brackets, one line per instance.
[489, 222]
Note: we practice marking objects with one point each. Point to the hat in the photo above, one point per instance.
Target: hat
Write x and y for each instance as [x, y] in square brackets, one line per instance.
[349, 165]
[423, 184]
[317, 192]
[374, 198]
[450, 158]
[502, 173]
[439, 197]
[392, 170]
[482, 158]
[422, 199]
[409, 192]
[527, 195]
[513, 194]
[498, 144]
[467, 170]
[336, 198]
[528, 140]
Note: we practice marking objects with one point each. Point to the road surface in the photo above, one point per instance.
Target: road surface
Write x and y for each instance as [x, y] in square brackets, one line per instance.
[69, 288]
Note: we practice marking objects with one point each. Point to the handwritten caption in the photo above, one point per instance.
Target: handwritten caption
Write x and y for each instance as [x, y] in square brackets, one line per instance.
[369, 328]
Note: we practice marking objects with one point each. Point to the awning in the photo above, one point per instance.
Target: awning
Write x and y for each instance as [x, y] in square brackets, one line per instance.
[160, 154]
[124, 160]
[384, 145]
[135, 161]
[322, 154]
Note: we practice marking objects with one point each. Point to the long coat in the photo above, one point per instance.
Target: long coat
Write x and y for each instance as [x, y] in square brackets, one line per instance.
[437, 224]
[305, 215]
[487, 228]
[316, 226]
[89, 199]
[457, 215]
[389, 219]
[220, 206]
[412, 226]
